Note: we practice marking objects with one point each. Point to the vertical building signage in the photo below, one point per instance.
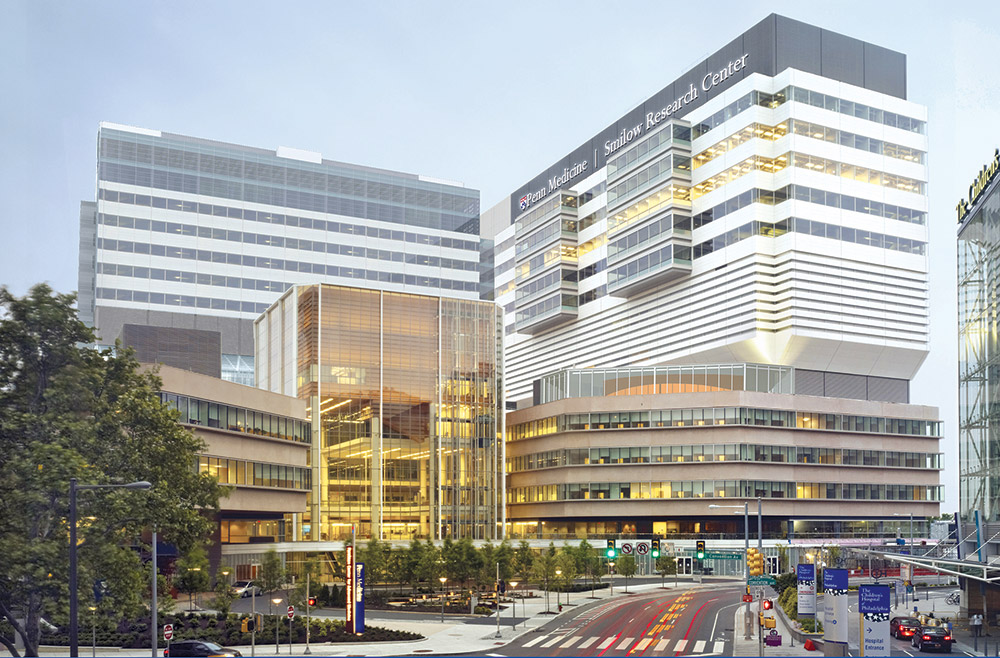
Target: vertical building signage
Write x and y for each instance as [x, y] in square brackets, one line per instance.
[835, 605]
[359, 598]
[873, 604]
[807, 589]
[349, 584]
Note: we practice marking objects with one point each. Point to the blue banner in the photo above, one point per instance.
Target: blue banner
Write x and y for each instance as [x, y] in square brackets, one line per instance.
[835, 605]
[875, 608]
[359, 609]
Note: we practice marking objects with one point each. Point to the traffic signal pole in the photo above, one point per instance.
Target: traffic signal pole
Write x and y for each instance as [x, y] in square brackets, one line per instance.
[308, 599]
[746, 552]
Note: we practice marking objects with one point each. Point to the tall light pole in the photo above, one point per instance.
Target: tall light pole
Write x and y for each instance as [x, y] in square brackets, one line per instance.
[558, 573]
[277, 623]
[513, 598]
[443, 580]
[74, 640]
[746, 561]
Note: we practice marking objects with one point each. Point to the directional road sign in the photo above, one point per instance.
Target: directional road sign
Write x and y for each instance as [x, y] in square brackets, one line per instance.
[723, 556]
[757, 581]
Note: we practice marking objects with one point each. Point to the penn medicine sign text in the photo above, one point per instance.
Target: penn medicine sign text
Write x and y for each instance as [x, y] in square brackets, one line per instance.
[710, 81]
[979, 185]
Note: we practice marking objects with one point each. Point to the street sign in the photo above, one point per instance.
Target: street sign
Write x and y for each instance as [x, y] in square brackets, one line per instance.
[748, 598]
[759, 581]
[168, 631]
[291, 611]
[626, 549]
[642, 548]
[723, 556]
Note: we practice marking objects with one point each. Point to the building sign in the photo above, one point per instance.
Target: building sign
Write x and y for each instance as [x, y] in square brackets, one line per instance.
[555, 182]
[873, 604]
[359, 598]
[349, 584]
[806, 589]
[835, 605]
[979, 185]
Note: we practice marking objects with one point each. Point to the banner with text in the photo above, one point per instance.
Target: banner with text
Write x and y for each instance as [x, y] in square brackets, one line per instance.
[359, 598]
[807, 589]
[350, 595]
[873, 604]
[835, 605]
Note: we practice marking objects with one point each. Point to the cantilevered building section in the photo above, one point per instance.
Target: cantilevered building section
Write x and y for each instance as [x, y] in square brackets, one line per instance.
[769, 206]
[405, 397]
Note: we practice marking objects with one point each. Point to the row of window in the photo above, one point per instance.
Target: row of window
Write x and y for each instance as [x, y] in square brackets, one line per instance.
[546, 306]
[278, 196]
[693, 454]
[662, 169]
[547, 234]
[652, 231]
[208, 256]
[814, 98]
[265, 217]
[286, 243]
[809, 195]
[237, 419]
[647, 148]
[807, 129]
[563, 201]
[723, 489]
[652, 262]
[551, 279]
[647, 206]
[257, 474]
[698, 417]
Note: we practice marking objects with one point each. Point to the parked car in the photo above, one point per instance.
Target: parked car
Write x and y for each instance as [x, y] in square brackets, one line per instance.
[245, 589]
[932, 637]
[900, 627]
[199, 648]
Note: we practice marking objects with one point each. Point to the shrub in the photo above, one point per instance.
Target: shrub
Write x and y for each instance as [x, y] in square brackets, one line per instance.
[812, 626]
[483, 610]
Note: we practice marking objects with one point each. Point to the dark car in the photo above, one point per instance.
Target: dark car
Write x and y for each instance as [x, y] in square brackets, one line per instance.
[932, 637]
[901, 627]
[198, 648]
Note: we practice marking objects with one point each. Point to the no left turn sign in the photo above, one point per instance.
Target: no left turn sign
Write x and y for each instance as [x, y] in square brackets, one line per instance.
[626, 549]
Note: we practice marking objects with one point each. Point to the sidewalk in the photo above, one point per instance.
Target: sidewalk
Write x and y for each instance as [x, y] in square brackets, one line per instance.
[456, 635]
[744, 647]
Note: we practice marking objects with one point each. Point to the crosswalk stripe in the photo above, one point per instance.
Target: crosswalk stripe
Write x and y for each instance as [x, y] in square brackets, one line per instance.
[643, 643]
[699, 646]
[552, 642]
[535, 641]
[661, 645]
[680, 645]
[589, 642]
[720, 646]
[624, 644]
[606, 643]
[572, 641]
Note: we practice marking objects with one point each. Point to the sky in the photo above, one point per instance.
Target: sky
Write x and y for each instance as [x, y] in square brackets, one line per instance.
[488, 94]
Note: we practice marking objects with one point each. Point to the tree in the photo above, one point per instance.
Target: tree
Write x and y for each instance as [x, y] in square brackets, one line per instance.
[524, 558]
[224, 597]
[566, 562]
[271, 575]
[626, 567]
[69, 411]
[487, 566]
[375, 555]
[667, 566]
[504, 556]
[589, 563]
[543, 570]
[192, 573]
[430, 566]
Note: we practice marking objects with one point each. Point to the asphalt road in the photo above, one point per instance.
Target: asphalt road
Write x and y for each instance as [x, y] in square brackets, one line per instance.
[664, 623]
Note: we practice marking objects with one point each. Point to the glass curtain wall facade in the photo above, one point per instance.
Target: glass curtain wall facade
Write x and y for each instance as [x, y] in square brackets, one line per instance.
[405, 394]
[979, 357]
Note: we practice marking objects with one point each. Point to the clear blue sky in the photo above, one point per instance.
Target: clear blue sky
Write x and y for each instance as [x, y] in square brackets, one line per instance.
[487, 94]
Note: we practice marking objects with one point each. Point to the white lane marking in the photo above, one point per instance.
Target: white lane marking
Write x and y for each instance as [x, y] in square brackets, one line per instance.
[720, 647]
[589, 642]
[717, 613]
[624, 644]
[699, 646]
[534, 642]
[661, 645]
[552, 642]
[680, 645]
[643, 643]
[603, 645]
[572, 641]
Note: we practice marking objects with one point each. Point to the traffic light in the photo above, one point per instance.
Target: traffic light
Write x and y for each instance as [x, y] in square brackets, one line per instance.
[611, 549]
[755, 562]
[767, 604]
[700, 549]
[312, 601]
[247, 625]
[655, 551]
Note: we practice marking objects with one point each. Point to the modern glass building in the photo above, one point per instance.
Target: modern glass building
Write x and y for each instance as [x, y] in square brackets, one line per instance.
[766, 212]
[978, 346]
[404, 393]
[200, 235]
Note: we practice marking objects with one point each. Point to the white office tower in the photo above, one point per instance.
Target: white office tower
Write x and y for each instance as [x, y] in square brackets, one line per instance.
[769, 206]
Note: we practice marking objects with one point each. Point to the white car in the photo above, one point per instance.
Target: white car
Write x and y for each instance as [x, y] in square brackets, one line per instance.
[245, 589]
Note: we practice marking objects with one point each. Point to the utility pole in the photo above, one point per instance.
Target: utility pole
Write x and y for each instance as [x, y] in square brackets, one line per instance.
[498, 601]
[307, 651]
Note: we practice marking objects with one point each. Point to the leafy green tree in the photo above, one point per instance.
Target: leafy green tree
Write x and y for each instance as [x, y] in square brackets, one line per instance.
[524, 558]
[410, 564]
[589, 563]
[431, 565]
[224, 597]
[375, 555]
[625, 566]
[566, 563]
[307, 573]
[487, 566]
[504, 555]
[543, 570]
[271, 576]
[69, 411]
[192, 573]
[667, 566]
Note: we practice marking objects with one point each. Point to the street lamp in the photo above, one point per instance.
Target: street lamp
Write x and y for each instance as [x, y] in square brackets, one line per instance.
[611, 577]
[277, 623]
[513, 607]
[443, 580]
[191, 594]
[93, 630]
[558, 573]
[74, 643]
